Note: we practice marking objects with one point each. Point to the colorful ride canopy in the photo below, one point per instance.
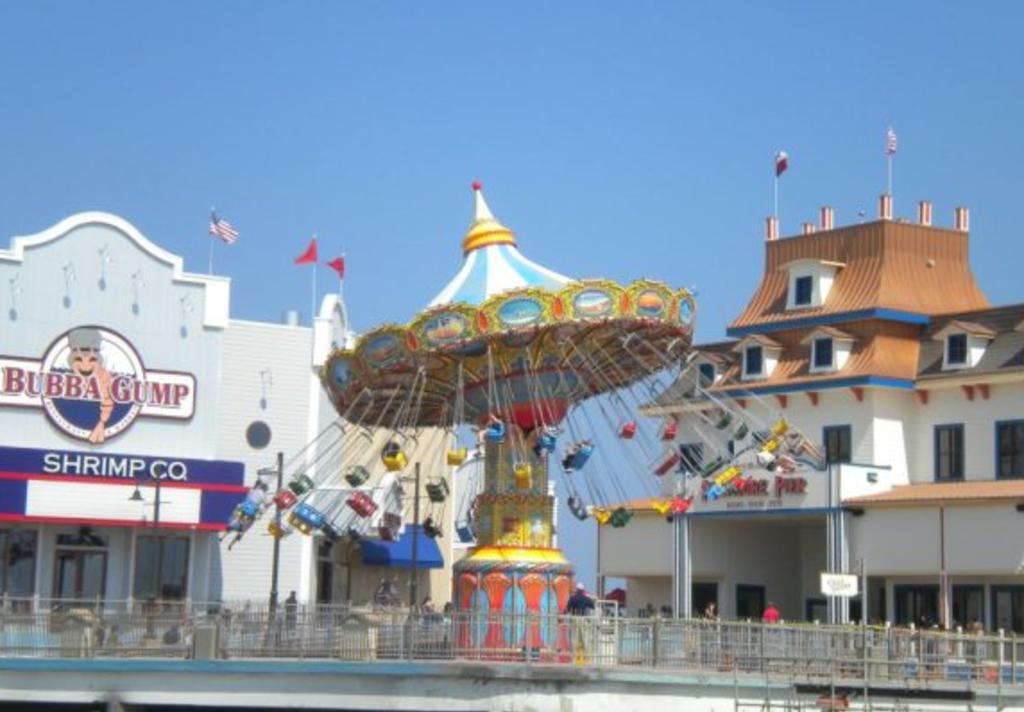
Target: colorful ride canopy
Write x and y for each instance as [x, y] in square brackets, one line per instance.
[509, 336]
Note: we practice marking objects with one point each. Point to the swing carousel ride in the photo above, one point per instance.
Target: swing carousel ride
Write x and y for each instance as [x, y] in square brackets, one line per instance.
[524, 372]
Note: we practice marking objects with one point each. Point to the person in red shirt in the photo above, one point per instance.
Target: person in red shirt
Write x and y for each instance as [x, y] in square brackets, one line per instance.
[771, 614]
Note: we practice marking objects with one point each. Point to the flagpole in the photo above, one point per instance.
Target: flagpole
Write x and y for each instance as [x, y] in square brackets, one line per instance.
[213, 212]
[312, 311]
[775, 203]
[888, 162]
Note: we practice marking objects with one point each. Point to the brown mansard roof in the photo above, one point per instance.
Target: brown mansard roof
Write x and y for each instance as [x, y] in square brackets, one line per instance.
[888, 265]
[1004, 353]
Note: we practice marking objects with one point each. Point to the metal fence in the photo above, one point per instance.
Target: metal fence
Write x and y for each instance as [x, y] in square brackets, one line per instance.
[242, 630]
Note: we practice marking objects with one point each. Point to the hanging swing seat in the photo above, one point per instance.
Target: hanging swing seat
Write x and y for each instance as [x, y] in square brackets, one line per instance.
[457, 456]
[578, 509]
[362, 503]
[669, 430]
[620, 517]
[357, 475]
[727, 475]
[680, 505]
[666, 462]
[712, 466]
[305, 518]
[495, 431]
[431, 530]
[602, 515]
[248, 508]
[437, 491]
[285, 499]
[785, 463]
[741, 432]
[353, 534]
[393, 457]
[577, 455]
[725, 421]
[545, 445]
[661, 506]
[388, 529]
[463, 532]
[742, 484]
[301, 484]
[627, 431]
[523, 472]
[278, 530]
[780, 428]
[714, 492]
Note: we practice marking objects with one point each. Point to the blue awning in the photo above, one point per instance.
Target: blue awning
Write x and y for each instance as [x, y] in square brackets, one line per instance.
[398, 553]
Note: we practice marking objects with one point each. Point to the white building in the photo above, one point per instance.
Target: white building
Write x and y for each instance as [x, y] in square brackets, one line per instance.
[874, 341]
[119, 370]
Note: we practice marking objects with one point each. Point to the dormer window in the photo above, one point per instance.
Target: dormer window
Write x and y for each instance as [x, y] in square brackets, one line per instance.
[758, 356]
[823, 353]
[810, 281]
[803, 288]
[956, 350]
[963, 343]
[830, 348]
[753, 361]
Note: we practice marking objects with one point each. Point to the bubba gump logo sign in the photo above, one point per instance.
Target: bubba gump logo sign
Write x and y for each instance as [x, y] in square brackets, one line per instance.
[92, 385]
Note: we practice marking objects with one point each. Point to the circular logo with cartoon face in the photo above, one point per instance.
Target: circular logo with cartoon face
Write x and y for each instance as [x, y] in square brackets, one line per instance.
[92, 385]
[80, 369]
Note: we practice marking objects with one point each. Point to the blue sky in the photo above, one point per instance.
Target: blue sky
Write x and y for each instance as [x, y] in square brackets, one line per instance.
[617, 139]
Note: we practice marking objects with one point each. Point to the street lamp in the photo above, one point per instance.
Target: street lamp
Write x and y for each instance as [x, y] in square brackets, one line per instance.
[277, 471]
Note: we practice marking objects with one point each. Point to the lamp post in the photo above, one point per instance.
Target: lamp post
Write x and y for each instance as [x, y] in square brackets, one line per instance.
[275, 564]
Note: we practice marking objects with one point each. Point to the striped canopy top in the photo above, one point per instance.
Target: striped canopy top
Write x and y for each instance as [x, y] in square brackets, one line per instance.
[493, 263]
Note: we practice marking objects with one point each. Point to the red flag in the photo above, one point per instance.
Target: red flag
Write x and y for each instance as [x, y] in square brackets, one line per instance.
[781, 163]
[310, 255]
[338, 265]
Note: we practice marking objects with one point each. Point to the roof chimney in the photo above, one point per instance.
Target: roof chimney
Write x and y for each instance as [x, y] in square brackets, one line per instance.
[961, 219]
[771, 228]
[828, 218]
[806, 228]
[924, 213]
[885, 206]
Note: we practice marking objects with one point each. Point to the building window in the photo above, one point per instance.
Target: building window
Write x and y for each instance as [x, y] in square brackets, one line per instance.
[823, 353]
[80, 566]
[691, 457]
[838, 443]
[18, 566]
[754, 361]
[1008, 608]
[161, 568]
[956, 349]
[707, 374]
[949, 452]
[749, 601]
[803, 290]
[1010, 449]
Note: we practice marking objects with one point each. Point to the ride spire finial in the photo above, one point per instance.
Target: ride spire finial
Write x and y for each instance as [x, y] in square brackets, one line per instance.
[477, 186]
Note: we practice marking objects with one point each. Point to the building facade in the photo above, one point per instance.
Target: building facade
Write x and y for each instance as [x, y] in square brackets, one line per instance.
[135, 414]
[875, 341]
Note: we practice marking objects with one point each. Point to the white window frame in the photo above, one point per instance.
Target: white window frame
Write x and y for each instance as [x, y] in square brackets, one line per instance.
[815, 368]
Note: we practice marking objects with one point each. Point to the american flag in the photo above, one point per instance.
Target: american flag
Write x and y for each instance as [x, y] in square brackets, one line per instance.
[890, 141]
[222, 229]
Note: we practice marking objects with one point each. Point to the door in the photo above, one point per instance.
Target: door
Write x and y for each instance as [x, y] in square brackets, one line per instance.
[917, 604]
[968, 606]
[703, 594]
[1008, 608]
[749, 601]
[80, 575]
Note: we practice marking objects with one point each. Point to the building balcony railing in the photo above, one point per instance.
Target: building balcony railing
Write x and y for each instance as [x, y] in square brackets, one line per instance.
[794, 653]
